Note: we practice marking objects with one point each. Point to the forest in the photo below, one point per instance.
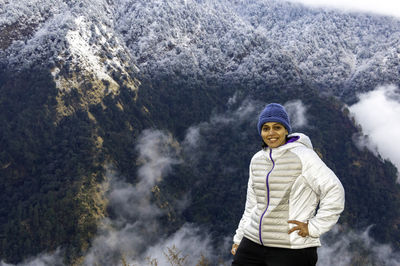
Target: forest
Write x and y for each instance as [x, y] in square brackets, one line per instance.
[52, 172]
[128, 127]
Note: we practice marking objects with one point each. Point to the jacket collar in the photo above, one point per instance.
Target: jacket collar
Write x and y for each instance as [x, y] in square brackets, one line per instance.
[294, 140]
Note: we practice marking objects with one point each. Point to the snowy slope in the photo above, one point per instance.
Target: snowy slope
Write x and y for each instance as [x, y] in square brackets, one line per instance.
[201, 38]
[343, 51]
[74, 40]
[264, 40]
[241, 41]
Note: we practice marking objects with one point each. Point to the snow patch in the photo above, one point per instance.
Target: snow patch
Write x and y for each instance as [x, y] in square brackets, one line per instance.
[86, 55]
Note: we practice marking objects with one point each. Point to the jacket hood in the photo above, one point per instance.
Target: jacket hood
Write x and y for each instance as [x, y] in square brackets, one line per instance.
[300, 138]
[294, 140]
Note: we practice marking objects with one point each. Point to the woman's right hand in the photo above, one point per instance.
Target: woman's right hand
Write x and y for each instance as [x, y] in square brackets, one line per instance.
[234, 248]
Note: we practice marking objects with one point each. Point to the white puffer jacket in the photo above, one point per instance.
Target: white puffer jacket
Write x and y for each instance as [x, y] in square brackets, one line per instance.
[290, 182]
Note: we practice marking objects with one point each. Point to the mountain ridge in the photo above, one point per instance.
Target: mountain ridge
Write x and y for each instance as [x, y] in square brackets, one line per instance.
[81, 80]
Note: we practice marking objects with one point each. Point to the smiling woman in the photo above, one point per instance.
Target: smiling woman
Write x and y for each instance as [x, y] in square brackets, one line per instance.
[281, 225]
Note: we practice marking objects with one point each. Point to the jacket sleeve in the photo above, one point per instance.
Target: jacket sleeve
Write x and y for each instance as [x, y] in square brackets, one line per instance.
[250, 205]
[327, 186]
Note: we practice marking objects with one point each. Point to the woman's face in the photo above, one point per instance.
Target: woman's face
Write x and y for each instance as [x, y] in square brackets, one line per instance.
[274, 134]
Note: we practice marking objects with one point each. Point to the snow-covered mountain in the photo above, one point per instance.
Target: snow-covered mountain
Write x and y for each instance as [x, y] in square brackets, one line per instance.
[75, 40]
[337, 52]
[81, 79]
[261, 40]
[241, 41]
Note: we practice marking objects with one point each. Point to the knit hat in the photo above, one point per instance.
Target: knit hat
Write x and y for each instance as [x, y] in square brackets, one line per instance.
[274, 112]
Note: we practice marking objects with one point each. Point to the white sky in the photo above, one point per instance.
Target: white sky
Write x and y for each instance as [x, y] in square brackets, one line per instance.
[385, 7]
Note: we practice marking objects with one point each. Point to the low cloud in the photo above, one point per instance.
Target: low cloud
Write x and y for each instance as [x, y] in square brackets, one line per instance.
[383, 7]
[134, 231]
[238, 123]
[345, 248]
[158, 152]
[134, 234]
[189, 242]
[297, 113]
[134, 224]
[246, 112]
[44, 259]
[377, 112]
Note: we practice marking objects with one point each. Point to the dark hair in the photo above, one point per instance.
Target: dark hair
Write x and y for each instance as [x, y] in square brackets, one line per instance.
[263, 145]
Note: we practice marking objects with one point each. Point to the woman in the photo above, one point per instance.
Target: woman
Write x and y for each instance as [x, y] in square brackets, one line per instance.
[292, 198]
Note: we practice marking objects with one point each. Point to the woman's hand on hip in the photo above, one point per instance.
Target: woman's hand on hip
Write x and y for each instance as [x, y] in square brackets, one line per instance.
[301, 227]
[234, 248]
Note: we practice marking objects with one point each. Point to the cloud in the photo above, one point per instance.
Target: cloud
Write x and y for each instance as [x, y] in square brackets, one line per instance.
[383, 7]
[344, 248]
[241, 114]
[134, 224]
[158, 151]
[192, 136]
[134, 232]
[189, 240]
[44, 259]
[297, 113]
[246, 112]
[377, 112]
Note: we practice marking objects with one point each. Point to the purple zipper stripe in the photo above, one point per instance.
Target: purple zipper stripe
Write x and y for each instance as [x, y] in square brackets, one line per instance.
[267, 179]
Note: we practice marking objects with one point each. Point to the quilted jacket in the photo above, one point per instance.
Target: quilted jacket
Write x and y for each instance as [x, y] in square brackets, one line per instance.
[290, 182]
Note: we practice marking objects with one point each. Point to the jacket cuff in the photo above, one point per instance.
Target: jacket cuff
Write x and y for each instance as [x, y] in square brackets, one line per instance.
[313, 230]
[237, 239]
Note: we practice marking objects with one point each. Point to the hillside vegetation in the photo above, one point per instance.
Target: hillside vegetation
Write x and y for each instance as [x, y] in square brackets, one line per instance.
[81, 84]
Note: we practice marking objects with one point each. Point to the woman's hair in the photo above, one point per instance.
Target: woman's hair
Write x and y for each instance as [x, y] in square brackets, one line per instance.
[263, 145]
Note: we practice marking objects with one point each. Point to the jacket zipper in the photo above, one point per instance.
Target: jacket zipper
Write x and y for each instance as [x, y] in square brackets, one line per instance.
[267, 183]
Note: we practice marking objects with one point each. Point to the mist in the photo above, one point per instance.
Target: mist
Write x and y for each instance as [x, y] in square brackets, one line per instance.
[377, 112]
[342, 247]
[297, 112]
[44, 259]
[383, 7]
[133, 233]
[242, 112]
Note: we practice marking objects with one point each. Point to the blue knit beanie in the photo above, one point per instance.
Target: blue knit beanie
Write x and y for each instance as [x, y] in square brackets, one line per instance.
[274, 112]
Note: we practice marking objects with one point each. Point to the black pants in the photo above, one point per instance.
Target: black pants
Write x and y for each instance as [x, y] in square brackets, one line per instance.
[253, 254]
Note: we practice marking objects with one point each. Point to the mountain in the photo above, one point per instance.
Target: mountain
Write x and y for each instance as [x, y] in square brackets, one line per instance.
[137, 119]
[245, 40]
